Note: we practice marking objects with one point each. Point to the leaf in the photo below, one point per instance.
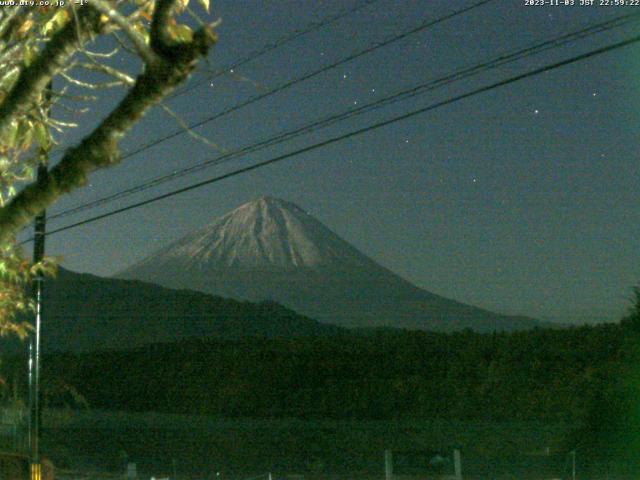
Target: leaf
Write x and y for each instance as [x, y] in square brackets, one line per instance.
[25, 27]
[27, 172]
[9, 78]
[42, 136]
[25, 134]
[30, 54]
[204, 4]
[181, 33]
[56, 22]
[182, 4]
[10, 135]
[140, 28]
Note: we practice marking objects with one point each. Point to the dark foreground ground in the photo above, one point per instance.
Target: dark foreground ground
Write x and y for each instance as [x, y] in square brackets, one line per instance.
[223, 449]
[98, 445]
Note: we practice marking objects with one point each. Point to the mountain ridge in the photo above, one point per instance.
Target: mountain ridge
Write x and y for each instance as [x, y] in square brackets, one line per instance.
[84, 312]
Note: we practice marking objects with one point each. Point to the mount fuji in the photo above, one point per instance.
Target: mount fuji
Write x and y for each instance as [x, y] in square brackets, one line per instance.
[271, 249]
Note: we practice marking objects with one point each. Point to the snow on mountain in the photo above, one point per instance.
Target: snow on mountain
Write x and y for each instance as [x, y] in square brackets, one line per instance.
[268, 233]
[271, 249]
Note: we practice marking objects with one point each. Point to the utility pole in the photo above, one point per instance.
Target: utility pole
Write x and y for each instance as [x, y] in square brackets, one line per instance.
[34, 350]
[35, 415]
[30, 391]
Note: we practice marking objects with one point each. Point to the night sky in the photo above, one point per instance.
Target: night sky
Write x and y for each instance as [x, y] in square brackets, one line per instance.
[522, 200]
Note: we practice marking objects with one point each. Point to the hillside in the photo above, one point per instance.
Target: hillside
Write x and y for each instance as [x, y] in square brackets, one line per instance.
[84, 313]
[550, 375]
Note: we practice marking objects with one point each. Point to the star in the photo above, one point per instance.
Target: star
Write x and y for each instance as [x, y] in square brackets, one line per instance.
[594, 94]
[344, 75]
[373, 90]
[536, 112]
[474, 180]
[355, 102]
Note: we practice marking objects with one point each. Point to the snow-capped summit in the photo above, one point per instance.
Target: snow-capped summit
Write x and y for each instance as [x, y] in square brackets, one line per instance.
[267, 233]
[271, 249]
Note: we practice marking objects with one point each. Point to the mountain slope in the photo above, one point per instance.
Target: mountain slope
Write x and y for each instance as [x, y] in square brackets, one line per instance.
[85, 313]
[272, 249]
[267, 234]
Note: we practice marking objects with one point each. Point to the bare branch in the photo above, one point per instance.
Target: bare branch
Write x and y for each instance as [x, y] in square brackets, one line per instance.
[35, 78]
[123, 44]
[192, 133]
[100, 54]
[136, 39]
[74, 111]
[195, 17]
[56, 96]
[90, 86]
[59, 123]
[110, 71]
[77, 22]
[78, 98]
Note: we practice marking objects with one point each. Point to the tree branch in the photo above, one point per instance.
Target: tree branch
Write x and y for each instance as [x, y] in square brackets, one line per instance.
[159, 38]
[136, 39]
[189, 131]
[34, 79]
[109, 71]
[7, 18]
[100, 148]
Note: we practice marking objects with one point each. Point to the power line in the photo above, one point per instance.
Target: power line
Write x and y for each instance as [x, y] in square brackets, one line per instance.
[313, 26]
[277, 44]
[354, 133]
[423, 26]
[331, 119]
